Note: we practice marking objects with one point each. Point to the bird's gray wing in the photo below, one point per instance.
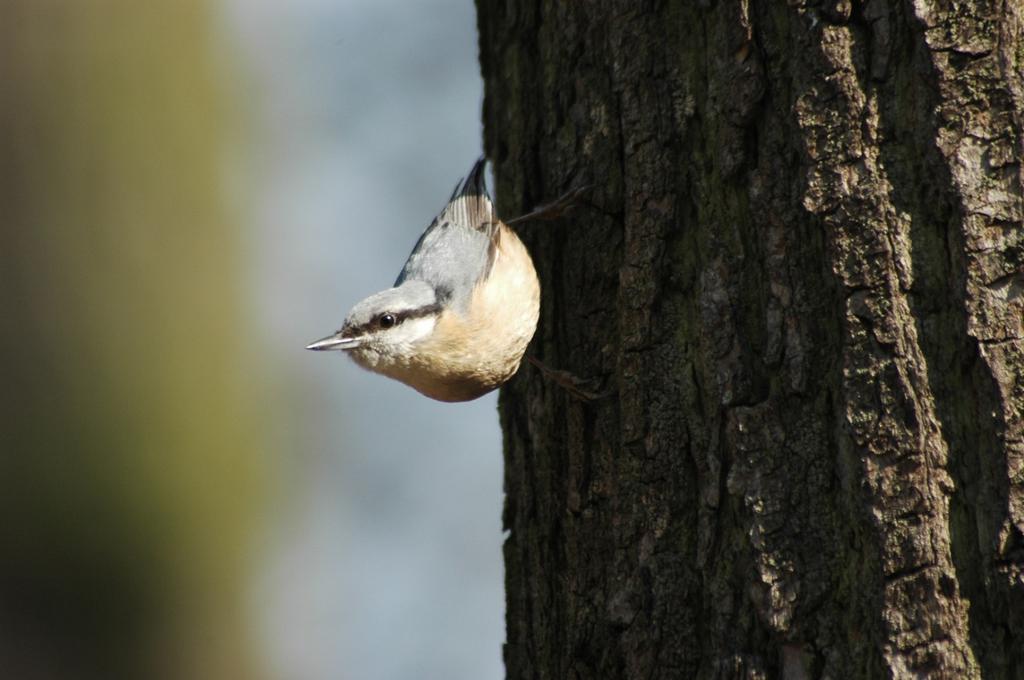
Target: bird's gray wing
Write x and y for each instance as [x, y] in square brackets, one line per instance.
[457, 250]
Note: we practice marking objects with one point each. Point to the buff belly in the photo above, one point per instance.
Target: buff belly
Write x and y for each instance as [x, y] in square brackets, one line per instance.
[469, 355]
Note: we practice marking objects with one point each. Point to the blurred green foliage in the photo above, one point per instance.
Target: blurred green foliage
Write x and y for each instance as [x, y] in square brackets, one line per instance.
[130, 457]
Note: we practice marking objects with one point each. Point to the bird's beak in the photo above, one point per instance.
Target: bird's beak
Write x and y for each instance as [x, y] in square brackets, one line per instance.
[335, 341]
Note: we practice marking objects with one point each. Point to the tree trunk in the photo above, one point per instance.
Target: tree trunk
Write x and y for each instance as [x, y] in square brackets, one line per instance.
[798, 284]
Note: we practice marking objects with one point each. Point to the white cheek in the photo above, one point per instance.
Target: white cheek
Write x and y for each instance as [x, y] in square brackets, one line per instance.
[367, 357]
[413, 331]
[395, 347]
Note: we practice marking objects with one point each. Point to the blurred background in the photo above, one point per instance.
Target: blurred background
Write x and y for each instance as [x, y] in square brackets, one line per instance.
[191, 191]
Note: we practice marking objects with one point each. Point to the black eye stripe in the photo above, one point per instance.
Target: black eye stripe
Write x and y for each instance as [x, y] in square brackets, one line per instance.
[377, 323]
[421, 312]
[418, 313]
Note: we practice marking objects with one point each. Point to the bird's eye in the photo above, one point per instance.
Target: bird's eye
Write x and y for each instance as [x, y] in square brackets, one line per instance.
[387, 320]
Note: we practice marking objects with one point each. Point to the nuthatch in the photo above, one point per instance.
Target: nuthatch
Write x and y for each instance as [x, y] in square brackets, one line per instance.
[462, 311]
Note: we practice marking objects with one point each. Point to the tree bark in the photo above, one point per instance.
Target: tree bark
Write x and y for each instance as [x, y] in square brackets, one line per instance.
[799, 283]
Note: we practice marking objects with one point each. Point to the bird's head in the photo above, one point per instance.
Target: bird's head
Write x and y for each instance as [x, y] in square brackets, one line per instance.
[385, 331]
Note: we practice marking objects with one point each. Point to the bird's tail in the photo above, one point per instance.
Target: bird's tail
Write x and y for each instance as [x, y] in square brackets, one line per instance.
[470, 204]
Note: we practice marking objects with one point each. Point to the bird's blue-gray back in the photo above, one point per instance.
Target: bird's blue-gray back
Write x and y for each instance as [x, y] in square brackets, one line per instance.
[457, 249]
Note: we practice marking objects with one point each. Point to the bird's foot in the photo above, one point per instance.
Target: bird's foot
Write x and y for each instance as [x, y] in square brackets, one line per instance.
[575, 386]
[556, 208]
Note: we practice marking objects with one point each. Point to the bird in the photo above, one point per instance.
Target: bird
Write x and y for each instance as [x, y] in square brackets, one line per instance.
[457, 321]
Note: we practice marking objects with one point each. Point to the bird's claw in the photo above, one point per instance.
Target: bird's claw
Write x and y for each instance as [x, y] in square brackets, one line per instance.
[575, 386]
[556, 208]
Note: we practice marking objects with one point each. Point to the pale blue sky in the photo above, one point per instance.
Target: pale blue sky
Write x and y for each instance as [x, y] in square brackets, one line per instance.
[383, 558]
